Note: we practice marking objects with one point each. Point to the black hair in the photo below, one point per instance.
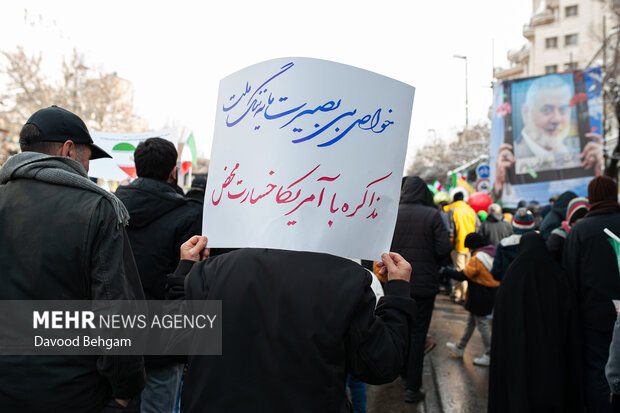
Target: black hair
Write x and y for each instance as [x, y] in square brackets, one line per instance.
[458, 196]
[28, 141]
[155, 158]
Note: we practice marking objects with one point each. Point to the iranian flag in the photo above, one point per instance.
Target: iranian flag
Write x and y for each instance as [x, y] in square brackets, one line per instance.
[188, 156]
[123, 154]
[615, 244]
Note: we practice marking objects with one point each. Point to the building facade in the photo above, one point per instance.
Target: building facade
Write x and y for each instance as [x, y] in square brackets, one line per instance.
[561, 35]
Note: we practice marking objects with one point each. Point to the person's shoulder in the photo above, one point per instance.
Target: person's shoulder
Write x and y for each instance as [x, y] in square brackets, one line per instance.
[304, 264]
[595, 223]
[422, 210]
[74, 198]
[510, 241]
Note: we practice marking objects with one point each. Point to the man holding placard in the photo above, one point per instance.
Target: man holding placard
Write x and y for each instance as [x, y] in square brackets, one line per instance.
[288, 179]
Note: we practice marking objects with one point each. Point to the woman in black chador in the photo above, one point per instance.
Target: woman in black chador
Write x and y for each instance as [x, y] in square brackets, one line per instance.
[536, 359]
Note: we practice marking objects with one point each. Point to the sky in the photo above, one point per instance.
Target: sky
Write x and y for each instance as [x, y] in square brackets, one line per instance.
[176, 52]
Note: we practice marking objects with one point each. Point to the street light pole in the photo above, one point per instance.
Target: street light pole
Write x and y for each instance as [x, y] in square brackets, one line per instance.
[466, 94]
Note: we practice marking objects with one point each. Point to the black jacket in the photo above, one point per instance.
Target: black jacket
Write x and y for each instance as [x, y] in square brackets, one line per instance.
[504, 255]
[557, 214]
[295, 324]
[63, 243]
[160, 221]
[196, 195]
[592, 266]
[421, 237]
[196, 199]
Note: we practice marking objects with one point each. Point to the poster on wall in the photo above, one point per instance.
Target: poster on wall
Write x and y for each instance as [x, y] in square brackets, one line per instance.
[545, 136]
[307, 155]
[121, 147]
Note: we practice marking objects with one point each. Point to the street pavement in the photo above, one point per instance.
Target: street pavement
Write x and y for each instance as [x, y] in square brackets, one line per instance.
[451, 384]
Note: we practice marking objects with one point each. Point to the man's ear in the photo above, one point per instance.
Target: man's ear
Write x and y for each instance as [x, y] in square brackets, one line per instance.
[172, 177]
[67, 150]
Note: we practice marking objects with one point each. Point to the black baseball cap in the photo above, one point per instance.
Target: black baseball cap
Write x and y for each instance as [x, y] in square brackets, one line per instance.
[56, 124]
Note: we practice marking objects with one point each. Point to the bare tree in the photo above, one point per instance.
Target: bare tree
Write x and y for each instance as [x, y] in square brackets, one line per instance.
[103, 100]
[434, 160]
[26, 89]
[609, 58]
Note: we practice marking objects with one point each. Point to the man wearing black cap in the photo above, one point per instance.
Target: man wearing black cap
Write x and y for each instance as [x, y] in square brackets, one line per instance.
[63, 238]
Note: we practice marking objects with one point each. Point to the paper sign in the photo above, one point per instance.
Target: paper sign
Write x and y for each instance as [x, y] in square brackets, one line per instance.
[617, 305]
[307, 155]
[121, 147]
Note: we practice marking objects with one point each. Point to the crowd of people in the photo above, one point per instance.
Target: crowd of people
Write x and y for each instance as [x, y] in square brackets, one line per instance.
[546, 278]
[539, 285]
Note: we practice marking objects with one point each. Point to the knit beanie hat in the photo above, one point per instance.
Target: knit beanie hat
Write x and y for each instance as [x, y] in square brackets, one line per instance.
[523, 221]
[602, 188]
[474, 241]
[602, 193]
[577, 208]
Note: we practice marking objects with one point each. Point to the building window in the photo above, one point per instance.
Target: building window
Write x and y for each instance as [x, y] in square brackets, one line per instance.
[570, 66]
[570, 11]
[570, 39]
[551, 69]
[551, 42]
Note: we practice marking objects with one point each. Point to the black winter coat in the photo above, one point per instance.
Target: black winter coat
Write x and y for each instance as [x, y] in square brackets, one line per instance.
[504, 255]
[592, 266]
[557, 214]
[160, 221]
[295, 324]
[63, 243]
[421, 237]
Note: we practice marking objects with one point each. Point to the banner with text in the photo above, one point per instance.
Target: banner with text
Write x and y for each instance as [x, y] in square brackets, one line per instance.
[307, 155]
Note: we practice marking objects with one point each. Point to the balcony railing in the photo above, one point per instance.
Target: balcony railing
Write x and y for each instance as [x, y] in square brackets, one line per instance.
[518, 56]
[543, 18]
[511, 72]
[528, 31]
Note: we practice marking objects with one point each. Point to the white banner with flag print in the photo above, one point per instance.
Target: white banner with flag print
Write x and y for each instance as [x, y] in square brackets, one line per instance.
[121, 147]
[307, 155]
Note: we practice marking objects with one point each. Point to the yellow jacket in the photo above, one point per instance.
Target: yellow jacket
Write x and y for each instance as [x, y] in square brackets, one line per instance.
[463, 220]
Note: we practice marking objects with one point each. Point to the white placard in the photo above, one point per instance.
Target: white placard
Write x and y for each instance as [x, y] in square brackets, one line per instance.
[121, 147]
[307, 155]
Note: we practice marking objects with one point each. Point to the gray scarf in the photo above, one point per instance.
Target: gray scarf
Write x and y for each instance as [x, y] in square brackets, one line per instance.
[60, 171]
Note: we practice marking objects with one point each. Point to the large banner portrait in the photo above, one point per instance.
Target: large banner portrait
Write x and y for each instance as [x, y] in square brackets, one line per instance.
[545, 136]
[307, 155]
[121, 147]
